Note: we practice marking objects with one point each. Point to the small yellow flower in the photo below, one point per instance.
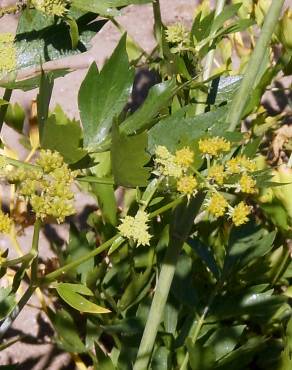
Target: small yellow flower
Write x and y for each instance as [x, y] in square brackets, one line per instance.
[217, 174]
[176, 34]
[7, 52]
[162, 152]
[5, 223]
[49, 160]
[247, 184]
[136, 228]
[233, 166]
[248, 164]
[184, 157]
[217, 205]
[213, 146]
[187, 185]
[239, 214]
[239, 164]
[166, 164]
[51, 7]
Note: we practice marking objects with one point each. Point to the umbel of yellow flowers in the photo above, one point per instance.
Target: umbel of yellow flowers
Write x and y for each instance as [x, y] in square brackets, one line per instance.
[51, 7]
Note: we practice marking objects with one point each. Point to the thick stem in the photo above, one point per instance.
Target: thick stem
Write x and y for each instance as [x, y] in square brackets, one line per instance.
[180, 228]
[202, 96]
[242, 96]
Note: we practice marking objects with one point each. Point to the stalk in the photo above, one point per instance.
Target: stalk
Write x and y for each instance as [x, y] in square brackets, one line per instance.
[158, 26]
[184, 216]
[202, 96]
[35, 250]
[241, 98]
[3, 109]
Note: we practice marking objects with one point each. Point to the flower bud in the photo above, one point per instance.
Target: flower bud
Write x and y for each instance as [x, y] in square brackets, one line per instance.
[285, 31]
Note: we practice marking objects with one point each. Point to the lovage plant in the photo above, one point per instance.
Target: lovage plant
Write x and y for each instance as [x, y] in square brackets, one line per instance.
[189, 267]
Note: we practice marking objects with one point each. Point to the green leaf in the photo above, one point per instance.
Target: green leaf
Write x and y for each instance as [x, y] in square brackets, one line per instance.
[246, 244]
[63, 135]
[15, 116]
[7, 302]
[77, 301]
[157, 99]
[104, 361]
[174, 129]
[205, 253]
[224, 340]
[161, 359]
[43, 99]
[105, 194]
[102, 96]
[77, 247]
[128, 156]
[138, 282]
[67, 331]
[241, 357]
[77, 288]
[200, 358]
[227, 13]
[39, 39]
[95, 6]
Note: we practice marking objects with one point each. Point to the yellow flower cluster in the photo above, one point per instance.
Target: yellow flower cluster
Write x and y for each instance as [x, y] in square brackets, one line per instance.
[47, 187]
[177, 165]
[51, 7]
[239, 214]
[214, 146]
[247, 184]
[176, 34]
[240, 164]
[136, 228]
[7, 52]
[217, 174]
[217, 205]
[187, 185]
[5, 223]
[173, 165]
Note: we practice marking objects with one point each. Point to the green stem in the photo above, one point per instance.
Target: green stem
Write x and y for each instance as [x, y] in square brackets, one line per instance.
[3, 108]
[15, 312]
[165, 208]
[158, 26]
[26, 258]
[242, 96]
[35, 250]
[180, 228]
[61, 271]
[17, 163]
[202, 96]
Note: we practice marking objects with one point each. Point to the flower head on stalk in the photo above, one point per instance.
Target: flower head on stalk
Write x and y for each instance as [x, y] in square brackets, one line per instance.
[136, 228]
